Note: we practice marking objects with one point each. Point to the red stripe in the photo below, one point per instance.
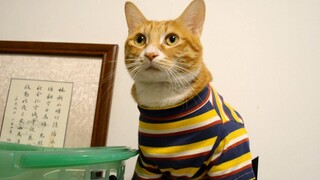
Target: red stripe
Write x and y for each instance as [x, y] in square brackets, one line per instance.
[181, 132]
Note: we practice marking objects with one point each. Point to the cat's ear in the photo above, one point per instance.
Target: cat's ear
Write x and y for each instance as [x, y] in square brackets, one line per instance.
[134, 16]
[193, 16]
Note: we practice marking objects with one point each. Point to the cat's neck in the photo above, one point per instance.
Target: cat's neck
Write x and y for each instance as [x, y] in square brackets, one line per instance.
[168, 94]
[159, 95]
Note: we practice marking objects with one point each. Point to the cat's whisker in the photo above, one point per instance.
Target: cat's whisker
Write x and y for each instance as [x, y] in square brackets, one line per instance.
[188, 73]
[176, 82]
[133, 59]
[183, 81]
[179, 78]
[130, 66]
[171, 77]
[135, 72]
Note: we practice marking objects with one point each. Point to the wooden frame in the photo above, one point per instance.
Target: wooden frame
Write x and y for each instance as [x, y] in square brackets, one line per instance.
[108, 55]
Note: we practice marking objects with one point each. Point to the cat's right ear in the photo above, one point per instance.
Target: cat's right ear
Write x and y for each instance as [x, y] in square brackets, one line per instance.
[134, 16]
[193, 16]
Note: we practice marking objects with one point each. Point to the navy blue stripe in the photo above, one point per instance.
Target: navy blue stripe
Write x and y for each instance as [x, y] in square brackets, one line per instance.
[185, 163]
[207, 107]
[156, 171]
[181, 139]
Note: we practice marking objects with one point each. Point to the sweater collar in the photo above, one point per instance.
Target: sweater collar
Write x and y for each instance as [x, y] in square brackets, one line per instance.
[179, 111]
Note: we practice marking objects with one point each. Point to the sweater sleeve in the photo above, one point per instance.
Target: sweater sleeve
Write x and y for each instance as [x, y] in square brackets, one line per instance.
[232, 157]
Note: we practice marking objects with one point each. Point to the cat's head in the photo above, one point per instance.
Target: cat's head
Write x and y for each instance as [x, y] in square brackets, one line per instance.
[165, 51]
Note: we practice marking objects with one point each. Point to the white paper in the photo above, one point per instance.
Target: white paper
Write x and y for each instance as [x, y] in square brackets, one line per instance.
[37, 112]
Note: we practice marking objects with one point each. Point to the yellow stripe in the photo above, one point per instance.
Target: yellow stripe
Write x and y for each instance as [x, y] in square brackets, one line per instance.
[177, 149]
[234, 114]
[235, 134]
[179, 124]
[219, 106]
[232, 163]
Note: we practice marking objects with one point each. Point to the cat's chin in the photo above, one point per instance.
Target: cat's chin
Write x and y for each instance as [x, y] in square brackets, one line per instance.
[152, 75]
[152, 69]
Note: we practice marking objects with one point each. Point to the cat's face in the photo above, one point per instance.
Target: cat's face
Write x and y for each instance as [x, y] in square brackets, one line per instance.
[164, 51]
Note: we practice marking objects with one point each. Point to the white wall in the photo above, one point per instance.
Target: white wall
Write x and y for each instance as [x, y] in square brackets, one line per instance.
[264, 55]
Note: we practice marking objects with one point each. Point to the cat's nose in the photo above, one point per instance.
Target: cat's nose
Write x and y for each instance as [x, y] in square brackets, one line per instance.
[151, 55]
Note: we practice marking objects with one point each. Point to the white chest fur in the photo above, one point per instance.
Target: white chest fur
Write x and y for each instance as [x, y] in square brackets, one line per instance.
[164, 94]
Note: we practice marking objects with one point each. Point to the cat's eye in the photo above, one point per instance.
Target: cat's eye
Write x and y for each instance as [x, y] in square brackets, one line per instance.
[172, 39]
[140, 40]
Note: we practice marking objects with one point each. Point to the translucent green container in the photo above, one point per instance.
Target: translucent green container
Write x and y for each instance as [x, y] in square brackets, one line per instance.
[27, 162]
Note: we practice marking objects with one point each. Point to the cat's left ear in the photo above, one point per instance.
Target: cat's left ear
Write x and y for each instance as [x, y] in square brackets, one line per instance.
[134, 16]
[193, 16]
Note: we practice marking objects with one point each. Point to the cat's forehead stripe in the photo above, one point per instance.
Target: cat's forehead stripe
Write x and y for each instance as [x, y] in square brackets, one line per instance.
[155, 27]
[155, 31]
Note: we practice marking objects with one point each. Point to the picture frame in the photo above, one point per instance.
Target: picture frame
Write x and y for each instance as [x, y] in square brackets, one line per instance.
[103, 55]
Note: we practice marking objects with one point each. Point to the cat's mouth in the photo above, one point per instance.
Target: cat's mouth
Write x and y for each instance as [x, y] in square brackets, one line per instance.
[152, 69]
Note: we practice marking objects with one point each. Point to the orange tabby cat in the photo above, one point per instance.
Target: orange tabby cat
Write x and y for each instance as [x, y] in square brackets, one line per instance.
[186, 129]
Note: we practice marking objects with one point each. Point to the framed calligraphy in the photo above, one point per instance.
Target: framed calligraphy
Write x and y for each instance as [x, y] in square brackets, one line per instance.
[77, 77]
[37, 112]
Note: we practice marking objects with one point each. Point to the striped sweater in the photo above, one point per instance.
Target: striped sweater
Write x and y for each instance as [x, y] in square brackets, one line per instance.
[203, 138]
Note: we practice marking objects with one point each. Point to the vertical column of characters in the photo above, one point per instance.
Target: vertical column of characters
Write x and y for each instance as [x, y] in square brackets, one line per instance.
[45, 120]
[23, 115]
[12, 126]
[56, 115]
[34, 123]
